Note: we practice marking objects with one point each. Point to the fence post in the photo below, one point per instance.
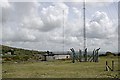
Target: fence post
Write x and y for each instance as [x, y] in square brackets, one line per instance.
[80, 55]
[96, 52]
[112, 65]
[86, 55]
[73, 56]
[94, 55]
[106, 69]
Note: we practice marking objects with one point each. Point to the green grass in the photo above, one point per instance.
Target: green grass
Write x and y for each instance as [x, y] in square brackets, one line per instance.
[60, 69]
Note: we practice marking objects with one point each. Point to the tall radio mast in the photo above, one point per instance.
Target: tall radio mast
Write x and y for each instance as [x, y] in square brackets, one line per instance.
[84, 25]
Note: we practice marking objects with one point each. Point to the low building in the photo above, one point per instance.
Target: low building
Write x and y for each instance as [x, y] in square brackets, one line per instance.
[9, 53]
[62, 56]
[49, 56]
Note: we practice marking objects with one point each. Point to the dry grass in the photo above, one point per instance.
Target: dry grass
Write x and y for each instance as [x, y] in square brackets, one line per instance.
[60, 69]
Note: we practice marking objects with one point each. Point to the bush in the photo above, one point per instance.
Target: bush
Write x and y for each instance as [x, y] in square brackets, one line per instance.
[110, 54]
[16, 57]
[102, 55]
[7, 58]
[25, 58]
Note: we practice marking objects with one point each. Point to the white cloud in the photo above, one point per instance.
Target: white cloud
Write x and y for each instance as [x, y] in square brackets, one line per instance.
[23, 18]
[101, 26]
[32, 23]
[77, 12]
[13, 27]
[52, 16]
[4, 3]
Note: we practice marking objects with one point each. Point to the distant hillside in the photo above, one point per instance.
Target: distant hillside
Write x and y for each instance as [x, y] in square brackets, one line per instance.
[5, 49]
[19, 54]
[110, 54]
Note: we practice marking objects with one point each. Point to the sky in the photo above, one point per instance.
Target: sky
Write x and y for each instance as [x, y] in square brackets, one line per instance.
[58, 25]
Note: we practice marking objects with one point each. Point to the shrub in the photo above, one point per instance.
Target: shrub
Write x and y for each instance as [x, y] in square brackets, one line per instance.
[25, 58]
[16, 57]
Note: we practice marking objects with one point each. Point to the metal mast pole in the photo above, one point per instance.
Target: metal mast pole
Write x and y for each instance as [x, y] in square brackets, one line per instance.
[84, 29]
[63, 31]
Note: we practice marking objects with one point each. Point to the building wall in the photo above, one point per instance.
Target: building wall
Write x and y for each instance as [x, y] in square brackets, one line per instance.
[50, 58]
[62, 56]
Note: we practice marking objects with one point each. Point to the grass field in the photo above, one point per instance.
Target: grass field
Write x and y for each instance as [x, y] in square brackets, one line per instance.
[59, 69]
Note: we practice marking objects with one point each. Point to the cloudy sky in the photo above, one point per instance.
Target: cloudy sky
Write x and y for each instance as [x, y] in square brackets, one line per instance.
[51, 25]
